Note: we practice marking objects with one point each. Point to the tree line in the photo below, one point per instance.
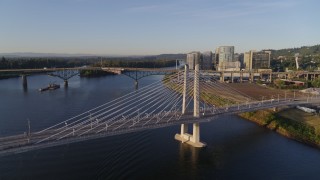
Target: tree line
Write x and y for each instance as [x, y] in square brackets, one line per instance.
[39, 63]
[137, 63]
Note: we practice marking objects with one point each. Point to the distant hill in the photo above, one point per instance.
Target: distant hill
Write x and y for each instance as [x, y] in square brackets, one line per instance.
[30, 54]
[303, 51]
[52, 55]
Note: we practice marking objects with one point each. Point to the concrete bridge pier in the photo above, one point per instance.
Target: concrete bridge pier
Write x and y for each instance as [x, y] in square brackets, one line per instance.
[66, 83]
[136, 84]
[251, 76]
[232, 77]
[194, 138]
[24, 81]
[221, 76]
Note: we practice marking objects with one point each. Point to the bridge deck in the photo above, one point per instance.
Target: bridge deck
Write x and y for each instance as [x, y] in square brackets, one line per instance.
[96, 129]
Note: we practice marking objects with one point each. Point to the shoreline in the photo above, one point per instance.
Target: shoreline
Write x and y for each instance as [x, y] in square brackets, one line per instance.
[286, 127]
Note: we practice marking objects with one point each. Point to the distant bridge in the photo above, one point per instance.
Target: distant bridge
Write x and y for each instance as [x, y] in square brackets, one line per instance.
[66, 73]
[250, 75]
[180, 98]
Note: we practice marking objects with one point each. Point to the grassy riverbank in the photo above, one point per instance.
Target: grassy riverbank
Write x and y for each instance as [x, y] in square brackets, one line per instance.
[285, 125]
[290, 122]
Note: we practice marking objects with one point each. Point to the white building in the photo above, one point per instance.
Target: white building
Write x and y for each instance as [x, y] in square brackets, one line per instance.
[225, 53]
[225, 58]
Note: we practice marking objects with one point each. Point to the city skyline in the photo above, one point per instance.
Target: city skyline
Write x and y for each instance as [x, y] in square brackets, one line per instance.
[148, 28]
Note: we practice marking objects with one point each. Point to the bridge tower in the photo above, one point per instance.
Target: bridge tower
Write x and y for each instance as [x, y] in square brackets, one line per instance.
[194, 138]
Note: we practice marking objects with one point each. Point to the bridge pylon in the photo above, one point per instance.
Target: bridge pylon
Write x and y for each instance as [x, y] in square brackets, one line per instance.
[194, 138]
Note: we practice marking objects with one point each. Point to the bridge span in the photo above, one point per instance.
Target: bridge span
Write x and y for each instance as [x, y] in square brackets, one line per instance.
[180, 98]
[137, 73]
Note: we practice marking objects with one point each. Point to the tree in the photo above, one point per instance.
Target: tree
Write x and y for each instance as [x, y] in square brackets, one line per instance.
[279, 83]
[316, 83]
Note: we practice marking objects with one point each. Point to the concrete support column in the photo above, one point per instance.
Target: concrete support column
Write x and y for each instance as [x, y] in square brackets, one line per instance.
[184, 127]
[241, 76]
[136, 84]
[221, 76]
[66, 83]
[196, 92]
[24, 80]
[196, 133]
[270, 77]
[185, 86]
[232, 77]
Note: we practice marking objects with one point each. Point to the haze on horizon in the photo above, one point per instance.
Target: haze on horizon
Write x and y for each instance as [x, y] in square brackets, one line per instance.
[144, 27]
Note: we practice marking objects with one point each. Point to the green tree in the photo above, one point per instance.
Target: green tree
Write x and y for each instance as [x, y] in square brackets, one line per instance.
[279, 83]
[316, 83]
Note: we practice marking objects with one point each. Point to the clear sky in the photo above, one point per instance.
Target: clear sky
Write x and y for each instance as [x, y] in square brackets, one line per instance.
[141, 27]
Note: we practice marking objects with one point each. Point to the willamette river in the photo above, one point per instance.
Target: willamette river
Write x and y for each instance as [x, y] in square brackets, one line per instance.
[237, 149]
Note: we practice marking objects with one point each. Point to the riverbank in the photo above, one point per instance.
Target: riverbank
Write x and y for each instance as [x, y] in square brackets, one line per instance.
[286, 126]
[289, 122]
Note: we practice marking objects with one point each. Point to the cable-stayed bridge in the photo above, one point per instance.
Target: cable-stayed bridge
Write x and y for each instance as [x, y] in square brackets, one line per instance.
[182, 97]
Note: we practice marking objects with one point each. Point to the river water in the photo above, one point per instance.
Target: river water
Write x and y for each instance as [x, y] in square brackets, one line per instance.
[236, 148]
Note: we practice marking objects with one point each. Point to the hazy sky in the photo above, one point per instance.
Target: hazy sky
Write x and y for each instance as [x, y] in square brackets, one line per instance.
[138, 27]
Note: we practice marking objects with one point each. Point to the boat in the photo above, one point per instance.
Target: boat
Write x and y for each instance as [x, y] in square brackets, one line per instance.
[51, 86]
[305, 109]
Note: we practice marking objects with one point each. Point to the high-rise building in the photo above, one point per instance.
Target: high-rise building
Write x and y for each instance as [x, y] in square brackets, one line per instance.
[225, 54]
[214, 61]
[241, 60]
[257, 60]
[193, 58]
[225, 58]
[206, 62]
[247, 60]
